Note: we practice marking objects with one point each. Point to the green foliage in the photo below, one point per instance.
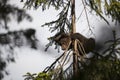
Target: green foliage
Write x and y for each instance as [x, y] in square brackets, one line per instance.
[109, 7]
[62, 24]
[101, 69]
[45, 76]
[44, 3]
[105, 66]
[113, 48]
[39, 76]
[52, 72]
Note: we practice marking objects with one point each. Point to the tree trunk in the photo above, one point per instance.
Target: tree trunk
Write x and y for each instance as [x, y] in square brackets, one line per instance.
[75, 59]
[73, 16]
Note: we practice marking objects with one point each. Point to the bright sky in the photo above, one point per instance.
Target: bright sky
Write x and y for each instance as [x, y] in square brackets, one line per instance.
[30, 60]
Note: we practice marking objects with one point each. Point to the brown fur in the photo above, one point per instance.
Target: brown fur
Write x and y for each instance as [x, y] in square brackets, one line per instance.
[64, 39]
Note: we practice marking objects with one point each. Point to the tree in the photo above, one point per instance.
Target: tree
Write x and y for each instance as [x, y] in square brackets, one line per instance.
[67, 25]
[11, 39]
[107, 7]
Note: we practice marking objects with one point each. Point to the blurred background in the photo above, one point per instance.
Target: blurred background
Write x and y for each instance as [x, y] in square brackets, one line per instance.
[23, 40]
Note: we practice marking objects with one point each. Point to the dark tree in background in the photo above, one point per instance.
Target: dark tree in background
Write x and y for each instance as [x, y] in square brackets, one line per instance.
[11, 39]
[7, 10]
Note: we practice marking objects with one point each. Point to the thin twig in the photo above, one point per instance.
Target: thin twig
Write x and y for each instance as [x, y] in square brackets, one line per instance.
[46, 70]
[86, 16]
[66, 58]
[80, 15]
[49, 68]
